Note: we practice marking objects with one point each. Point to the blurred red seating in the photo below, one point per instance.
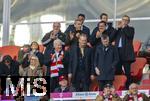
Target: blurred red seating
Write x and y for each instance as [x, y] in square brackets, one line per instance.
[137, 68]
[144, 87]
[137, 45]
[10, 50]
[119, 82]
[146, 82]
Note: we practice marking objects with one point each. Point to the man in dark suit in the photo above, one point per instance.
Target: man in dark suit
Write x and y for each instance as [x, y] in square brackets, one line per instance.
[80, 63]
[124, 42]
[105, 61]
[109, 29]
[83, 28]
[96, 38]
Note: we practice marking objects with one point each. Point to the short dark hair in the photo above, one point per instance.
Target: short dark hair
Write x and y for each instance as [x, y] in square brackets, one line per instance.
[102, 22]
[81, 15]
[104, 36]
[127, 16]
[103, 14]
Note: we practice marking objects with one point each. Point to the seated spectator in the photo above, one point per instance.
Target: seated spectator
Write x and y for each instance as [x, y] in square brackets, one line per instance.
[8, 68]
[34, 68]
[116, 97]
[23, 52]
[134, 95]
[74, 27]
[107, 95]
[34, 50]
[63, 85]
[49, 38]
[105, 61]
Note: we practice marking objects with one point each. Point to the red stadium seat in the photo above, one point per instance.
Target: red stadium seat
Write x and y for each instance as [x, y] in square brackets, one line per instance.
[137, 68]
[143, 87]
[94, 86]
[137, 45]
[146, 82]
[10, 50]
[119, 82]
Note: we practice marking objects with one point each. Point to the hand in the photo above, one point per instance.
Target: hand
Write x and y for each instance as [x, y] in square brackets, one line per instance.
[77, 35]
[89, 44]
[98, 34]
[97, 71]
[53, 35]
[70, 75]
[92, 77]
[71, 35]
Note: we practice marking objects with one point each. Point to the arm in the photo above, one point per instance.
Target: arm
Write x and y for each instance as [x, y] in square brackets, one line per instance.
[116, 58]
[129, 32]
[46, 39]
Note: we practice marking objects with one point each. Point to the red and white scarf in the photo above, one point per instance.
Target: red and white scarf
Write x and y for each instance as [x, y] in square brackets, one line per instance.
[139, 97]
[109, 98]
[56, 63]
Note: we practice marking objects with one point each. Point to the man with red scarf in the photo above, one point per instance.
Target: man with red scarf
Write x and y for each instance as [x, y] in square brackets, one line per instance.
[134, 95]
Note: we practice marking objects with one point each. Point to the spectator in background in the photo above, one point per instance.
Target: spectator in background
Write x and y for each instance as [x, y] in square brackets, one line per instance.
[8, 68]
[80, 64]
[23, 52]
[134, 95]
[34, 50]
[82, 28]
[105, 61]
[109, 29]
[124, 42]
[96, 37]
[49, 38]
[63, 82]
[34, 68]
[107, 95]
[56, 64]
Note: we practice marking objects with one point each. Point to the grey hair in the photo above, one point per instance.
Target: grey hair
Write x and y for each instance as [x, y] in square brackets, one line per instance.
[132, 85]
[57, 41]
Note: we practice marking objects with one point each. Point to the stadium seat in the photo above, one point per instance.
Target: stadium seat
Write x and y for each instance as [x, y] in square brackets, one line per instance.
[143, 87]
[10, 50]
[137, 45]
[119, 82]
[146, 82]
[137, 68]
[94, 86]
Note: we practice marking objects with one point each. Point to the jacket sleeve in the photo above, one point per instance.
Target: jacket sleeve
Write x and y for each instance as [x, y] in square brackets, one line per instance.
[93, 39]
[70, 62]
[129, 32]
[116, 58]
[46, 39]
[96, 59]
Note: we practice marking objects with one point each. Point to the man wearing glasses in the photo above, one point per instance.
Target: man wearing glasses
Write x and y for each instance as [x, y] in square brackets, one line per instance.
[124, 42]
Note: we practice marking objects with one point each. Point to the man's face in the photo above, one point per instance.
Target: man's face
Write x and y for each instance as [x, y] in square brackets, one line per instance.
[78, 24]
[34, 46]
[58, 47]
[125, 21]
[63, 83]
[7, 62]
[134, 89]
[101, 27]
[105, 42]
[56, 26]
[81, 18]
[107, 90]
[104, 18]
[83, 41]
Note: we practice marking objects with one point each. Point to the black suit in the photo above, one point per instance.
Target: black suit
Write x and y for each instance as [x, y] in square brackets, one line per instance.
[109, 31]
[126, 52]
[80, 74]
[84, 29]
[106, 59]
